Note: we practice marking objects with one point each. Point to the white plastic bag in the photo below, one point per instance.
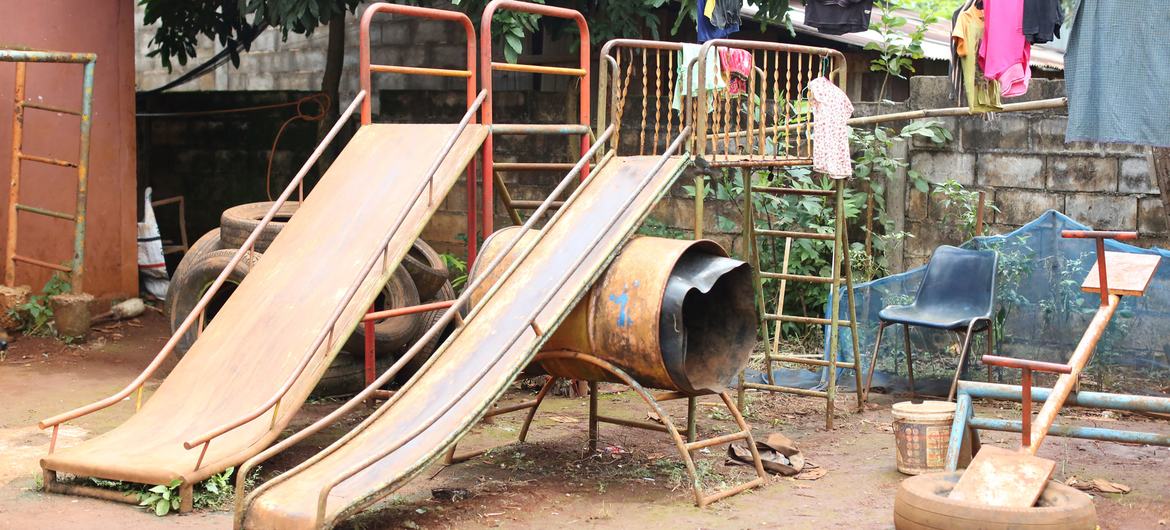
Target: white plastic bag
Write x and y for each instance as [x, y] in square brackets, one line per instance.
[152, 267]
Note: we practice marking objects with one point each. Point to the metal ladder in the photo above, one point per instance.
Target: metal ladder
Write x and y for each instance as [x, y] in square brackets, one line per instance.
[841, 274]
[75, 269]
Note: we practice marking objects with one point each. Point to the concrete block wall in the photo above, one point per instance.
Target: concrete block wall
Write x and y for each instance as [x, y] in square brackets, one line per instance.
[1024, 165]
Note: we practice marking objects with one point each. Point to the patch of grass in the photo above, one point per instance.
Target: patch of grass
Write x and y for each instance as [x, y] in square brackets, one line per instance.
[215, 493]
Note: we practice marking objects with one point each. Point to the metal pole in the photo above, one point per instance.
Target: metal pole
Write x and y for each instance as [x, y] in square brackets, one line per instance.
[77, 276]
[14, 178]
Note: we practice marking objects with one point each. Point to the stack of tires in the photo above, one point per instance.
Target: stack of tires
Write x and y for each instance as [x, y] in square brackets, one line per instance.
[422, 278]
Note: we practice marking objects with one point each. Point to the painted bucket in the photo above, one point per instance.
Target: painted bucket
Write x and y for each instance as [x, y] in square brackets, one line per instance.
[921, 433]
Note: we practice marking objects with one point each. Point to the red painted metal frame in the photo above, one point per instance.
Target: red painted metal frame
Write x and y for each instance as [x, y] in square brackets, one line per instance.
[485, 50]
[1026, 386]
[364, 70]
[372, 316]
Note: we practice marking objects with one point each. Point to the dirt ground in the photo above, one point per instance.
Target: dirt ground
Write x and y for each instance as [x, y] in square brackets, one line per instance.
[635, 481]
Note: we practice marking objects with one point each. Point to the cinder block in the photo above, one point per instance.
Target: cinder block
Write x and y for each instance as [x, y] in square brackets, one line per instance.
[1103, 212]
[1048, 136]
[1082, 173]
[1135, 176]
[1010, 171]
[1152, 217]
[1018, 207]
[943, 166]
[917, 204]
[1006, 133]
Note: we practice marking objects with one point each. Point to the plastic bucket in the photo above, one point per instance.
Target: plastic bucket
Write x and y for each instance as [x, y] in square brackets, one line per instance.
[922, 432]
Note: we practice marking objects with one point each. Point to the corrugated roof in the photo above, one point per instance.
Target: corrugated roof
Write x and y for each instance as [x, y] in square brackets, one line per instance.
[936, 45]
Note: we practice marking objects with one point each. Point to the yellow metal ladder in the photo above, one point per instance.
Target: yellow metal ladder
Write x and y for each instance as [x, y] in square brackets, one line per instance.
[774, 321]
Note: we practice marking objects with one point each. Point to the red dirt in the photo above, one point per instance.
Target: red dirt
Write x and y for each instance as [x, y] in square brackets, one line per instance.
[552, 478]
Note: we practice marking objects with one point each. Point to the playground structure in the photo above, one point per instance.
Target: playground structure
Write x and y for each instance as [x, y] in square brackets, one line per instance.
[1004, 486]
[220, 408]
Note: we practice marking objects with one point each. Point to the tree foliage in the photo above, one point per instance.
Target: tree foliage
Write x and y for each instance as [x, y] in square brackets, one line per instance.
[230, 22]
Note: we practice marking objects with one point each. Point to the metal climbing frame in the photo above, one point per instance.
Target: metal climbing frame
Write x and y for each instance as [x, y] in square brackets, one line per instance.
[755, 136]
[365, 69]
[76, 269]
[582, 73]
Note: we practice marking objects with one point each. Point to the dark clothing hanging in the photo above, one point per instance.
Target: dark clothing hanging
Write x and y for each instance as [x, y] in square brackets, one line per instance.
[706, 29]
[1042, 20]
[726, 13]
[837, 17]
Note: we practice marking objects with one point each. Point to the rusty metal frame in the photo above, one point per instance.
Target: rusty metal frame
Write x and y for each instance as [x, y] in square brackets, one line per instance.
[470, 74]
[76, 269]
[1063, 392]
[583, 73]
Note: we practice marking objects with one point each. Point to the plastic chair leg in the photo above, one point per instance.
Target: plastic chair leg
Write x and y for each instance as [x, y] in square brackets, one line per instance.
[909, 359]
[873, 359]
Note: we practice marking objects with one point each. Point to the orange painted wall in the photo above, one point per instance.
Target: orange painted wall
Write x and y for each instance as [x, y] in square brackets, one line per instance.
[105, 27]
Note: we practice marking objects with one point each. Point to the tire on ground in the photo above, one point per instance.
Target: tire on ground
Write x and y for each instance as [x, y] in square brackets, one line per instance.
[210, 242]
[391, 335]
[188, 289]
[921, 503]
[429, 319]
[346, 376]
[426, 268]
[238, 222]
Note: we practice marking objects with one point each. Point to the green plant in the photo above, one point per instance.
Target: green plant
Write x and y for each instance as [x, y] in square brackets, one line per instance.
[655, 228]
[961, 206]
[36, 315]
[161, 499]
[896, 50]
[458, 267]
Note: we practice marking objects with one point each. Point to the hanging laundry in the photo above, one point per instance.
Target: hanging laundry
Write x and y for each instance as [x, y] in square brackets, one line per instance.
[955, 67]
[831, 111]
[724, 13]
[1117, 75]
[1004, 53]
[737, 68]
[714, 75]
[982, 93]
[705, 26]
[1042, 20]
[838, 17]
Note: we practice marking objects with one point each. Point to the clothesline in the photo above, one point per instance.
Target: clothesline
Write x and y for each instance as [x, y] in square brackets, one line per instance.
[1026, 106]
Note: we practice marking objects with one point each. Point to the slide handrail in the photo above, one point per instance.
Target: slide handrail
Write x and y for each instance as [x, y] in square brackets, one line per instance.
[197, 311]
[328, 333]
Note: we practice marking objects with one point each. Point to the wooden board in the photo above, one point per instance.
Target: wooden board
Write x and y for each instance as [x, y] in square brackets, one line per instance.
[999, 477]
[1128, 274]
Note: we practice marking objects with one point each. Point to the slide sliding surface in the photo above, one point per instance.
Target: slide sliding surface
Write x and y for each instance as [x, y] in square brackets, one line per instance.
[475, 366]
[263, 332]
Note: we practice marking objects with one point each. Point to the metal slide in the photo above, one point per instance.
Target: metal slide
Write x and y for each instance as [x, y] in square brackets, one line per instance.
[476, 365]
[280, 316]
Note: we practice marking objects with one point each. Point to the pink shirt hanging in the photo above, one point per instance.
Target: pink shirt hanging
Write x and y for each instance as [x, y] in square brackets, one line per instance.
[1005, 53]
[831, 110]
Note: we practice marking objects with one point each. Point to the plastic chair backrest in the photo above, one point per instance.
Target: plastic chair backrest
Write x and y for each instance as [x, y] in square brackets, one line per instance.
[959, 277]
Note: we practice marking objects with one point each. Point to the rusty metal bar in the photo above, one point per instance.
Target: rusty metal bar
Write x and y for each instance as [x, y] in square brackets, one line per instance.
[410, 310]
[14, 173]
[804, 320]
[45, 56]
[537, 69]
[42, 211]
[40, 263]
[761, 163]
[726, 438]
[787, 389]
[533, 166]
[50, 108]
[809, 360]
[197, 311]
[632, 423]
[77, 276]
[531, 205]
[46, 160]
[795, 277]
[540, 128]
[418, 70]
[795, 235]
[793, 191]
[1010, 362]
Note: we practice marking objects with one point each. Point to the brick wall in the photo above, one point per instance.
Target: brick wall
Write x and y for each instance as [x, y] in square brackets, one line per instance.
[1024, 165]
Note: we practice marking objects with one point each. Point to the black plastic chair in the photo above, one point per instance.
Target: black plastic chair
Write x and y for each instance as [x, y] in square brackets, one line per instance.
[957, 294]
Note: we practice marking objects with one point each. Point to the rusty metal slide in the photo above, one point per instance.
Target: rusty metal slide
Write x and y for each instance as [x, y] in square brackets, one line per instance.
[475, 366]
[263, 334]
